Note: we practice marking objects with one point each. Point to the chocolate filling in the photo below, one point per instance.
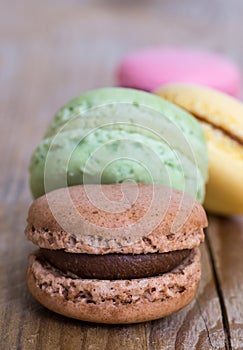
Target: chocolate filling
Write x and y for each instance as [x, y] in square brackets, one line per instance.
[114, 266]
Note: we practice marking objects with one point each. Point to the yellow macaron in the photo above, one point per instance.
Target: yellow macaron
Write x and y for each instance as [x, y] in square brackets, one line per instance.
[221, 117]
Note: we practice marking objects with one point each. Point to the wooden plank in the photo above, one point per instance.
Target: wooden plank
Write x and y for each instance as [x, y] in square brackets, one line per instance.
[225, 238]
[27, 324]
[49, 55]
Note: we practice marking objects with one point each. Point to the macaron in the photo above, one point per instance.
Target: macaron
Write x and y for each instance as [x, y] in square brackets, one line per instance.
[112, 135]
[150, 68]
[221, 119]
[118, 253]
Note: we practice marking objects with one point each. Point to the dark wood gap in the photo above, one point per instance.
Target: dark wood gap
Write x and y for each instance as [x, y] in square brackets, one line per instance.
[225, 320]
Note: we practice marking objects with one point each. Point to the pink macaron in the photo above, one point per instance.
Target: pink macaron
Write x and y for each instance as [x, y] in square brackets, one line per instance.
[151, 68]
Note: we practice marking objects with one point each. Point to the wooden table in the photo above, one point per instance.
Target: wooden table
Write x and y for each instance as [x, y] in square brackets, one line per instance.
[52, 51]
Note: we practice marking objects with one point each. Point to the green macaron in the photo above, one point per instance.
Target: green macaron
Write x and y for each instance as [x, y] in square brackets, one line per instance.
[115, 135]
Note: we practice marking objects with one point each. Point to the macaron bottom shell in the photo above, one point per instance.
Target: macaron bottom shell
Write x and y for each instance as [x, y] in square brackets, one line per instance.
[115, 301]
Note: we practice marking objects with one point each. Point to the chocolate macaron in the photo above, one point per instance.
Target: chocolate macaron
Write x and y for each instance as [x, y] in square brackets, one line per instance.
[119, 253]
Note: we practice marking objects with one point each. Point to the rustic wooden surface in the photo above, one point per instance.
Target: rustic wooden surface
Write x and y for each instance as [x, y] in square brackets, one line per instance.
[52, 51]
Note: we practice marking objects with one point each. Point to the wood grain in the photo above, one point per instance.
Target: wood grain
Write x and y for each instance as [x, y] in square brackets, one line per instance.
[199, 326]
[225, 239]
[50, 52]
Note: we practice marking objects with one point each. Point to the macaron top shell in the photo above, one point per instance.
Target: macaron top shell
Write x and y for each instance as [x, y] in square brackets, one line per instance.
[114, 134]
[218, 109]
[78, 112]
[127, 218]
[148, 69]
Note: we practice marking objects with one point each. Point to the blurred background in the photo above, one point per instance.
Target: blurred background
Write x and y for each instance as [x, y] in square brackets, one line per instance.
[53, 50]
[79, 42]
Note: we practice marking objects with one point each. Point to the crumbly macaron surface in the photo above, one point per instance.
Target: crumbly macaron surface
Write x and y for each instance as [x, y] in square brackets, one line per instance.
[80, 219]
[112, 135]
[114, 301]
